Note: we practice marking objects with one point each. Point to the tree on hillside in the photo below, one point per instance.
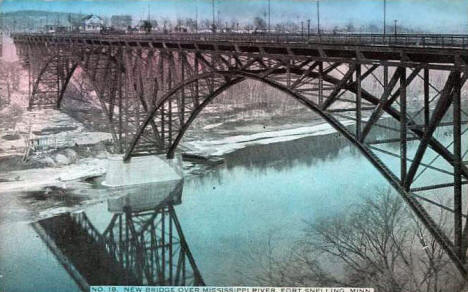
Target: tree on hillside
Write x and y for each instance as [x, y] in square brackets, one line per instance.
[9, 81]
[259, 23]
[146, 26]
[379, 244]
[350, 27]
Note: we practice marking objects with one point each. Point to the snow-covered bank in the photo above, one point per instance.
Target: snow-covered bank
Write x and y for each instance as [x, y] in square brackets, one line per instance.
[48, 128]
[229, 144]
[36, 179]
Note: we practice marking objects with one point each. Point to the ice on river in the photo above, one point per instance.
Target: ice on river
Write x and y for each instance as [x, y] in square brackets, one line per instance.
[36, 179]
[230, 144]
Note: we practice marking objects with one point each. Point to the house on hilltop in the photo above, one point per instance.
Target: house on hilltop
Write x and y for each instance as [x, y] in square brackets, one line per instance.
[92, 23]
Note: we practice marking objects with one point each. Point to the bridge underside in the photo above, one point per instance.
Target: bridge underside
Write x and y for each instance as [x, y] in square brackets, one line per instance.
[394, 98]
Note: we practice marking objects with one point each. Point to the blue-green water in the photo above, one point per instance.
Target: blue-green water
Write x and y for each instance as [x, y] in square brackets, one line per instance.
[228, 214]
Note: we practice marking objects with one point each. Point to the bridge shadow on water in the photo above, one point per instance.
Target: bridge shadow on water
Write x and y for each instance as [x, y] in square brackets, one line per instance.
[142, 243]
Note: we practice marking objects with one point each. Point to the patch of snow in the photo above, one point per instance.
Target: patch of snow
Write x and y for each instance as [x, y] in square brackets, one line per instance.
[50, 128]
[230, 144]
[71, 155]
[212, 126]
[54, 212]
[36, 179]
[47, 161]
[61, 159]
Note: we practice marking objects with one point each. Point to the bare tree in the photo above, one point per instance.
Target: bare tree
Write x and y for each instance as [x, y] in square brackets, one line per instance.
[259, 23]
[378, 244]
[350, 27]
[205, 23]
[9, 81]
[191, 24]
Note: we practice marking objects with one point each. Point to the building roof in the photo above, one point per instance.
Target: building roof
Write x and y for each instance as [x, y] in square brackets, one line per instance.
[88, 17]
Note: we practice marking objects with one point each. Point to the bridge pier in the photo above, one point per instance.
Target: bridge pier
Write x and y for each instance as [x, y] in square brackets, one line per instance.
[142, 170]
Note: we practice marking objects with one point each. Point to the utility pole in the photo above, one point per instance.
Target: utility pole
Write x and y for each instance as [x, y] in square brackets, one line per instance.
[395, 29]
[149, 16]
[196, 16]
[308, 28]
[318, 16]
[385, 17]
[213, 12]
[302, 28]
[269, 14]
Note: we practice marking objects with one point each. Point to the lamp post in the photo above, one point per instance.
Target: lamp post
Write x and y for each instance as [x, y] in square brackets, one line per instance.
[213, 13]
[269, 14]
[196, 16]
[318, 16]
[395, 29]
[385, 17]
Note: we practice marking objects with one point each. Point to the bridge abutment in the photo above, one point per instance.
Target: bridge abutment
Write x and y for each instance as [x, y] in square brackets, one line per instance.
[142, 170]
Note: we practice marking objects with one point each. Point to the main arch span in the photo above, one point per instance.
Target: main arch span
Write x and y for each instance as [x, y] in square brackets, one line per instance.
[396, 90]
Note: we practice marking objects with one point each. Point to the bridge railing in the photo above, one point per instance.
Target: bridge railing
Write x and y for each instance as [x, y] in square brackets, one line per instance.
[405, 40]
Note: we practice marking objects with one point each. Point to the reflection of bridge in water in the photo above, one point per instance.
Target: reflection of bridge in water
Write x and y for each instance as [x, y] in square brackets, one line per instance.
[142, 245]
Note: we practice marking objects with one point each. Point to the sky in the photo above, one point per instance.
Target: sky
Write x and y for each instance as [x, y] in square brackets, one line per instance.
[450, 16]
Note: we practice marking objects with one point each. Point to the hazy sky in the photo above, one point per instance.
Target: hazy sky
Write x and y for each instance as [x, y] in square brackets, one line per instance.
[435, 15]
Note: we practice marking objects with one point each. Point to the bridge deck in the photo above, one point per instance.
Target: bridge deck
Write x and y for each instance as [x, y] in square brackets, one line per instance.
[428, 48]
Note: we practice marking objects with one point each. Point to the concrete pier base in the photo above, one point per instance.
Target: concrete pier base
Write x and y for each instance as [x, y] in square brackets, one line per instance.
[142, 170]
[146, 196]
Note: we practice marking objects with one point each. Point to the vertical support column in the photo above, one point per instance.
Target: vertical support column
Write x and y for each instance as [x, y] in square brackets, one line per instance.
[58, 74]
[385, 76]
[457, 190]
[120, 95]
[197, 87]
[182, 76]
[120, 247]
[358, 102]
[171, 263]
[162, 57]
[426, 97]
[126, 109]
[403, 126]
[163, 247]
[320, 83]
[170, 69]
[30, 104]
[127, 239]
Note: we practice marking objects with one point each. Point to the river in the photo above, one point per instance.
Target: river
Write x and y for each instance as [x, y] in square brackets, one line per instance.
[227, 214]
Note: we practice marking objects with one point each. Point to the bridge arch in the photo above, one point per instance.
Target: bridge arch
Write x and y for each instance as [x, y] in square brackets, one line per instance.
[51, 82]
[232, 77]
[236, 76]
[53, 76]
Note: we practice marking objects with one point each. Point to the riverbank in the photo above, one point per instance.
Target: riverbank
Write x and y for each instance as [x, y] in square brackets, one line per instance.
[51, 173]
[65, 148]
